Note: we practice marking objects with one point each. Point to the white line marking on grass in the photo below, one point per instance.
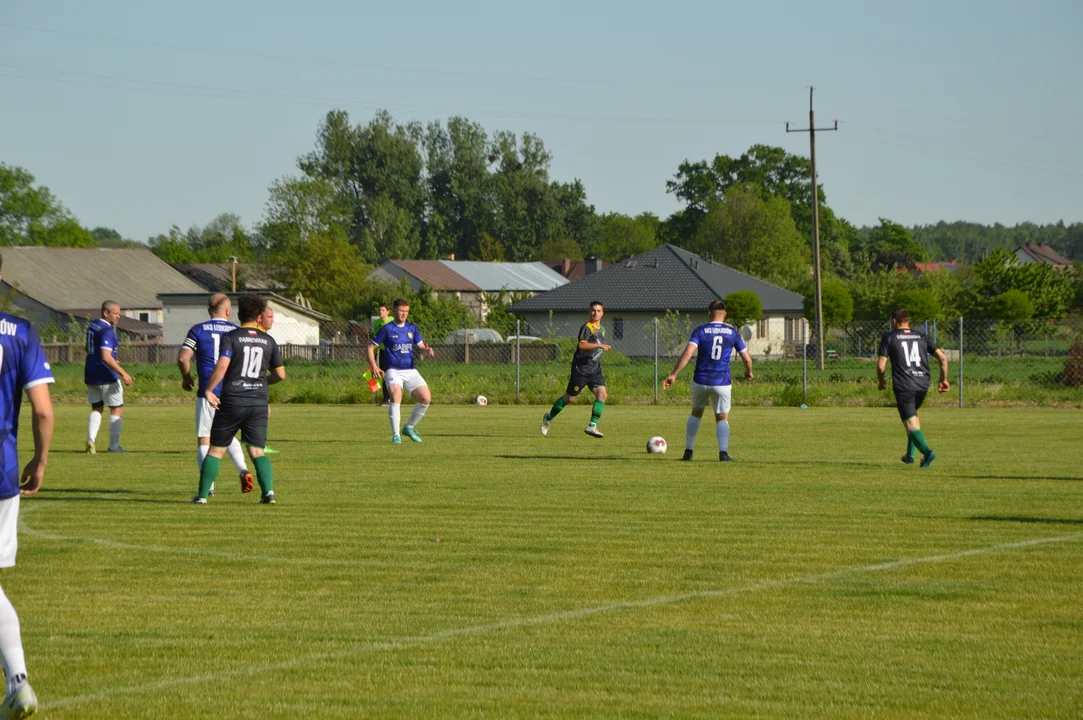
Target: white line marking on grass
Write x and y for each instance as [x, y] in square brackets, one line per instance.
[566, 615]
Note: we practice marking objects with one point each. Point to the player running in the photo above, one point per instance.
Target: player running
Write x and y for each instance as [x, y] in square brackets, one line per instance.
[908, 351]
[248, 362]
[23, 368]
[203, 342]
[711, 383]
[586, 372]
[399, 338]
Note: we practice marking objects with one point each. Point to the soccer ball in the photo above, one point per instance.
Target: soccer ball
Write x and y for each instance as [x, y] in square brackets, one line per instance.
[656, 445]
[481, 400]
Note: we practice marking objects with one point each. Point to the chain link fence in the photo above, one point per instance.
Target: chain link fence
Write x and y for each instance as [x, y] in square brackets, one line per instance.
[1036, 363]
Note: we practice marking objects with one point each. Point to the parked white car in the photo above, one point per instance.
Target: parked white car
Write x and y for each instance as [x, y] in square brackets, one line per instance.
[476, 335]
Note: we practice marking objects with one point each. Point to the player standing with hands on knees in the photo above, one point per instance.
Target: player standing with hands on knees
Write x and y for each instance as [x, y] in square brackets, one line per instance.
[398, 338]
[909, 351]
[711, 384]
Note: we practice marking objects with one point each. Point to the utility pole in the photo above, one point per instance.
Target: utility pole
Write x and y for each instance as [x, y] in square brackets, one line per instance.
[816, 275]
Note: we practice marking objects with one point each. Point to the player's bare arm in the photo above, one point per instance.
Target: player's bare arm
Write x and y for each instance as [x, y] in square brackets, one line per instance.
[746, 356]
[881, 365]
[426, 349]
[112, 364]
[276, 375]
[681, 362]
[942, 360]
[184, 363]
[586, 346]
[216, 377]
[373, 365]
[41, 405]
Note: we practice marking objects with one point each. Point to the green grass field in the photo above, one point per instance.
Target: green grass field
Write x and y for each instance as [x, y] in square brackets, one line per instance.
[492, 572]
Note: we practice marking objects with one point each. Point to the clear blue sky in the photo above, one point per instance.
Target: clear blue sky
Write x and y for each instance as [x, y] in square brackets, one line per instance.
[143, 115]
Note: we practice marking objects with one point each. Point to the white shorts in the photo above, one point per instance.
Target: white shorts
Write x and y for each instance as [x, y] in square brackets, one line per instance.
[204, 417]
[112, 394]
[9, 531]
[409, 380]
[717, 397]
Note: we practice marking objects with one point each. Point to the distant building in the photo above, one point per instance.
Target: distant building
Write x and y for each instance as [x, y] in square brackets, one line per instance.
[471, 282]
[218, 277]
[645, 287]
[47, 284]
[1040, 253]
[578, 269]
[294, 324]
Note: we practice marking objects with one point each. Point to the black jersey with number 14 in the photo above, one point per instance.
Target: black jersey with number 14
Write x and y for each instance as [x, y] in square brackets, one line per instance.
[251, 354]
[908, 350]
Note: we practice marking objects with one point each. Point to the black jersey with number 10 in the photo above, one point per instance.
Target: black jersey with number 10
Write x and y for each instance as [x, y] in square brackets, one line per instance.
[908, 350]
[251, 354]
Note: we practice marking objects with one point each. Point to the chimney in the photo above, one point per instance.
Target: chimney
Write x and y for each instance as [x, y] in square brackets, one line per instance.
[593, 265]
[566, 267]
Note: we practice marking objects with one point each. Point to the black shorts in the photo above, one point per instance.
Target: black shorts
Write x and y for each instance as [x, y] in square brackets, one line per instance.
[580, 380]
[909, 402]
[251, 420]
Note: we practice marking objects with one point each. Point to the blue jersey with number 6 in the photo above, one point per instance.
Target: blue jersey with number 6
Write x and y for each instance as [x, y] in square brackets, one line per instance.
[715, 342]
[22, 366]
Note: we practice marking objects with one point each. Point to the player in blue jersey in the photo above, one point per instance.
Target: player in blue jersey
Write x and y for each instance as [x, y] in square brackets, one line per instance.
[399, 338]
[711, 384]
[23, 367]
[104, 377]
[203, 343]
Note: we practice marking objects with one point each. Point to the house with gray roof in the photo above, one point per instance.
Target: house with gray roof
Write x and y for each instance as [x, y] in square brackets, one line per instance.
[471, 282]
[47, 284]
[674, 286]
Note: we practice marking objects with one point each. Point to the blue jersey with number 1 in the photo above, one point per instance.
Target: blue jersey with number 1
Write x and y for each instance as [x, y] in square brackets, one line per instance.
[716, 342]
[22, 366]
[205, 340]
[99, 336]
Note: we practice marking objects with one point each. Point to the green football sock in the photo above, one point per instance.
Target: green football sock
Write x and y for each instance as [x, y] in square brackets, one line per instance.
[918, 439]
[911, 448]
[208, 471]
[596, 412]
[264, 474]
[557, 407]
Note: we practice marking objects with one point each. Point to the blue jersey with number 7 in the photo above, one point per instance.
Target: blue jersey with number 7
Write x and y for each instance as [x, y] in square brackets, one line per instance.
[716, 342]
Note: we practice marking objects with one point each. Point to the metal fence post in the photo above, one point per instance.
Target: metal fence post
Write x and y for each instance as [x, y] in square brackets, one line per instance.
[804, 361]
[518, 333]
[656, 361]
[960, 362]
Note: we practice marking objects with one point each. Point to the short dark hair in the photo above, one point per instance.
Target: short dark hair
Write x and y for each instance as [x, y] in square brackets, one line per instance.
[900, 315]
[400, 303]
[383, 305]
[250, 307]
[716, 306]
[598, 304]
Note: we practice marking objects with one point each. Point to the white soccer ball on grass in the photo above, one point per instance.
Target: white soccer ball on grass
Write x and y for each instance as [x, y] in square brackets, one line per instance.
[656, 445]
[481, 400]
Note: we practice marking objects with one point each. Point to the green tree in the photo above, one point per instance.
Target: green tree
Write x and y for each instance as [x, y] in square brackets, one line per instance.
[838, 304]
[327, 269]
[460, 187]
[755, 236]
[743, 307]
[620, 236]
[31, 215]
[891, 245]
[920, 303]
[487, 249]
[1012, 307]
[560, 249]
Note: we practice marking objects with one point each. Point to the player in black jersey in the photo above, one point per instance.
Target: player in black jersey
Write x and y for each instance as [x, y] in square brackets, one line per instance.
[909, 351]
[248, 362]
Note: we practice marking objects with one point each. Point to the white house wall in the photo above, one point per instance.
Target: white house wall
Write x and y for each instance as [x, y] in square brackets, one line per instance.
[290, 327]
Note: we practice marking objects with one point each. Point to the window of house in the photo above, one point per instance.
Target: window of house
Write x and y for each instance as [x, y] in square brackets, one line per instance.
[761, 328]
[144, 317]
[618, 328]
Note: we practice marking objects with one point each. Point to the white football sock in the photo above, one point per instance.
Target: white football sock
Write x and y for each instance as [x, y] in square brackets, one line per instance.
[11, 643]
[201, 453]
[690, 429]
[115, 423]
[236, 454]
[93, 425]
[722, 430]
[393, 415]
[416, 414]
